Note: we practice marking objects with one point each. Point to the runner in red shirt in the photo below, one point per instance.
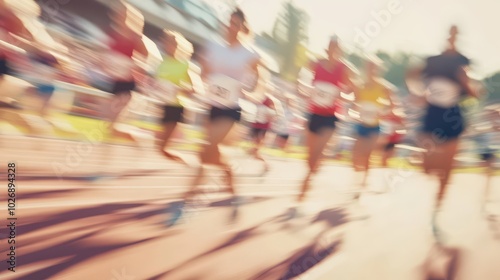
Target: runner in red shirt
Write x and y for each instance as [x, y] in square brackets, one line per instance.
[264, 116]
[331, 76]
[124, 42]
[396, 134]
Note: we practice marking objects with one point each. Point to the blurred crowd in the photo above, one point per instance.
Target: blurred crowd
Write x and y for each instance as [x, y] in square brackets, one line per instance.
[122, 59]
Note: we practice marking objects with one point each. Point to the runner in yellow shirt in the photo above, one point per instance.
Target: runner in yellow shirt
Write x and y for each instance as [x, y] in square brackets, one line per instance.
[373, 100]
[172, 79]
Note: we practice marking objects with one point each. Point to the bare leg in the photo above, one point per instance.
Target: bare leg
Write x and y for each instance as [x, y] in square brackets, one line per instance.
[216, 132]
[362, 150]
[118, 103]
[45, 105]
[316, 144]
[357, 154]
[387, 154]
[367, 152]
[441, 160]
[258, 139]
[489, 173]
[488, 165]
[164, 138]
[281, 143]
[431, 154]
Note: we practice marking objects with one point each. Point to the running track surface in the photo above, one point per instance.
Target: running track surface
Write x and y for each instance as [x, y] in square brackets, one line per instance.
[71, 227]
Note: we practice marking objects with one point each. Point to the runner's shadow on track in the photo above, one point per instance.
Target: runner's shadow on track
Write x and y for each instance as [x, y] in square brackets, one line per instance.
[442, 263]
[43, 222]
[237, 238]
[247, 200]
[300, 262]
[296, 264]
[92, 178]
[47, 194]
[181, 212]
[74, 252]
[331, 217]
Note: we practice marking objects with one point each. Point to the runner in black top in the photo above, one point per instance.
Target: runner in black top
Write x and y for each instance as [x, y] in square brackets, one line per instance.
[446, 83]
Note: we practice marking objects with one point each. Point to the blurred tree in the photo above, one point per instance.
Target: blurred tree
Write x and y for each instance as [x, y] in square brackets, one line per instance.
[395, 65]
[266, 41]
[492, 84]
[356, 59]
[290, 31]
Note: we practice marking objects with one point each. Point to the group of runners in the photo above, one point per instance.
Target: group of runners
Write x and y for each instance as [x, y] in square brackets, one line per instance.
[442, 82]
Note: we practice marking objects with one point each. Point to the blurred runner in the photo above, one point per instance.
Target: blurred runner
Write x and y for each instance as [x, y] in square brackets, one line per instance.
[396, 133]
[45, 71]
[373, 99]
[39, 66]
[446, 83]
[283, 125]
[331, 75]
[266, 111]
[172, 78]
[485, 141]
[10, 24]
[224, 67]
[125, 39]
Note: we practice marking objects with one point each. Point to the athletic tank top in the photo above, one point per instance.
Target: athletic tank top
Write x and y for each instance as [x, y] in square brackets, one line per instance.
[371, 99]
[170, 75]
[228, 66]
[284, 123]
[327, 84]
[443, 87]
[120, 58]
[123, 44]
[263, 114]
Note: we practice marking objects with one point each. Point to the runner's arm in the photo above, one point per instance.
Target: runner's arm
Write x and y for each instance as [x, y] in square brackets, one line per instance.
[141, 48]
[254, 67]
[187, 83]
[465, 83]
[350, 85]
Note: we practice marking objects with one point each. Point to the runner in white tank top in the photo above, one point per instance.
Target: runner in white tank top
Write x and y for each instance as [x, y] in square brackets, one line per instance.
[224, 66]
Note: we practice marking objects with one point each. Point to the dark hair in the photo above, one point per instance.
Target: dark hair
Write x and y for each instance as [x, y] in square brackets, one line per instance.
[240, 14]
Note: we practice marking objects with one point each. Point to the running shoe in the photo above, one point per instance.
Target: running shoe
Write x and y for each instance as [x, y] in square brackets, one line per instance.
[177, 211]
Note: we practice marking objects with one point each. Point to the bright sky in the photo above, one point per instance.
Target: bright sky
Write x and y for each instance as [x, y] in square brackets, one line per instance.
[415, 26]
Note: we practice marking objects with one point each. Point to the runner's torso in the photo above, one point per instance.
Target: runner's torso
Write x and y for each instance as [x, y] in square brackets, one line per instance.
[327, 83]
